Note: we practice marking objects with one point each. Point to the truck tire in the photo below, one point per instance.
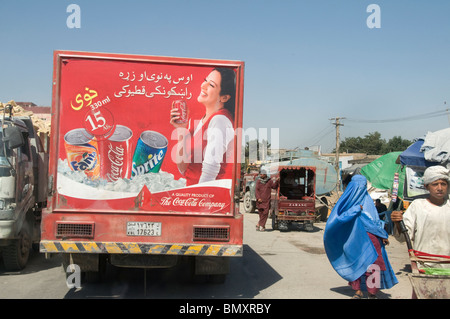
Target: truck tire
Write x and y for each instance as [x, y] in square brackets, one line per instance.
[249, 205]
[15, 255]
[323, 211]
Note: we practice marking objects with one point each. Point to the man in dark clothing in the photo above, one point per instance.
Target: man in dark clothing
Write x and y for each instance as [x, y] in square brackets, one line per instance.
[263, 190]
[380, 207]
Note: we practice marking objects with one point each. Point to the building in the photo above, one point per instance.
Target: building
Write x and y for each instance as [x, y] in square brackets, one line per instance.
[42, 112]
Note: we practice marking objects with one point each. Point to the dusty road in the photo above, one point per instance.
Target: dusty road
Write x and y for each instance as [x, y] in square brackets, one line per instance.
[275, 265]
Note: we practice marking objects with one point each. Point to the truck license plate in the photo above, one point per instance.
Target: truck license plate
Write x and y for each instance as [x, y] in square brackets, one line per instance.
[143, 229]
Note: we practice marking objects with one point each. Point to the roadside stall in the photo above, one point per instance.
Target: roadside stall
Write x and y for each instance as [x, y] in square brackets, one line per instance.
[386, 174]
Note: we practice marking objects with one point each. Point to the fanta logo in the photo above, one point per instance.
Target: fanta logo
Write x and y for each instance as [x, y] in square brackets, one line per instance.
[148, 166]
[87, 162]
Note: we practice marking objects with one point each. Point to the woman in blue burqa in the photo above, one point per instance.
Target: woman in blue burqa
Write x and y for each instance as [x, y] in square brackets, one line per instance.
[354, 241]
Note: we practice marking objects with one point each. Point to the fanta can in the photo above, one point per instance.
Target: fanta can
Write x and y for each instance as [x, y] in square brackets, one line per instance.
[82, 152]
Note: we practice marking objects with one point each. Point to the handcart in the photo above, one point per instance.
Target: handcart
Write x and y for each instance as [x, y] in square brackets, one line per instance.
[427, 283]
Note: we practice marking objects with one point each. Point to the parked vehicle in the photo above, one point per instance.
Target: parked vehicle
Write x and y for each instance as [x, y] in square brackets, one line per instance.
[23, 188]
[117, 195]
[248, 188]
[293, 200]
[325, 179]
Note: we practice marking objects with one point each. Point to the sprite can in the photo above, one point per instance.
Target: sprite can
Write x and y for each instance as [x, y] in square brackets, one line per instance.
[149, 153]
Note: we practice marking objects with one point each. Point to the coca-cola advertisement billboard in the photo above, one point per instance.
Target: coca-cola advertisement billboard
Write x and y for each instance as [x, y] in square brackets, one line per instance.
[144, 133]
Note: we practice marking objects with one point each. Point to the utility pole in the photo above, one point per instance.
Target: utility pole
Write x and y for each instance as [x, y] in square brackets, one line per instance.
[337, 123]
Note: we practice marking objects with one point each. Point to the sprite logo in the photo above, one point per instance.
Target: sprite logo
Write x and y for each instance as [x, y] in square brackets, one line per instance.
[151, 164]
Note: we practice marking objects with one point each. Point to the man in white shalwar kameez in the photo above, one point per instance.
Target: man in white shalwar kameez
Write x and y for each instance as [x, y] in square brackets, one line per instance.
[428, 220]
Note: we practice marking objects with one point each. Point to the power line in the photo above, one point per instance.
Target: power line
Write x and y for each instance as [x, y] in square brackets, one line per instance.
[325, 132]
[328, 130]
[407, 118]
[318, 136]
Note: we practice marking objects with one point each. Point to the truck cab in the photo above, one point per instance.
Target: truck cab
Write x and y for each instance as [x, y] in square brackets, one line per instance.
[23, 184]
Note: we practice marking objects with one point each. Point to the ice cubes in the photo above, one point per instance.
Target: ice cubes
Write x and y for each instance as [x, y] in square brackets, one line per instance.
[155, 182]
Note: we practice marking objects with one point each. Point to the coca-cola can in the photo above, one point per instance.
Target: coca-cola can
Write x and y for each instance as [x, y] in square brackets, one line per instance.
[115, 155]
[183, 109]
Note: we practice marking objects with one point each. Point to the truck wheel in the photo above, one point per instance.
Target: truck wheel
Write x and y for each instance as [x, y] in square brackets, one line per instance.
[323, 211]
[15, 255]
[249, 205]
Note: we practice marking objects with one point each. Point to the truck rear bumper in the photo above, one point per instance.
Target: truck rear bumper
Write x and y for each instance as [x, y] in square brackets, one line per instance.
[52, 246]
[295, 218]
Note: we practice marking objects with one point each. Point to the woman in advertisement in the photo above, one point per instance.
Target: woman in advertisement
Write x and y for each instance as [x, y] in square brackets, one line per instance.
[205, 150]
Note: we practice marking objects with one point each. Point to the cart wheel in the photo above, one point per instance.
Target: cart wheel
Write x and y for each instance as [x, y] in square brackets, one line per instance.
[283, 226]
[309, 227]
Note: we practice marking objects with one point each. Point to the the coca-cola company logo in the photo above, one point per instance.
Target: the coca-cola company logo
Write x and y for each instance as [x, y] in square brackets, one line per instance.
[116, 160]
[191, 202]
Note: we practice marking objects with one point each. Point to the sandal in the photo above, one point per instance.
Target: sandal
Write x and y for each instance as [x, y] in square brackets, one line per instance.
[357, 296]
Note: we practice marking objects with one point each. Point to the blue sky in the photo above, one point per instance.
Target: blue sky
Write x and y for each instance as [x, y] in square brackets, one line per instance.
[305, 61]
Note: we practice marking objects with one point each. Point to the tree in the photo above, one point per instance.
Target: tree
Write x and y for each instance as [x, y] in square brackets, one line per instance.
[373, 144]
[352, 145]
[396, 144]
[253, 152]
[254, 148]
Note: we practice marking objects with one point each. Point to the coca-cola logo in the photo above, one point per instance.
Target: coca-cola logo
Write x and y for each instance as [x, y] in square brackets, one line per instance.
[191, 202]
[116, 160]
